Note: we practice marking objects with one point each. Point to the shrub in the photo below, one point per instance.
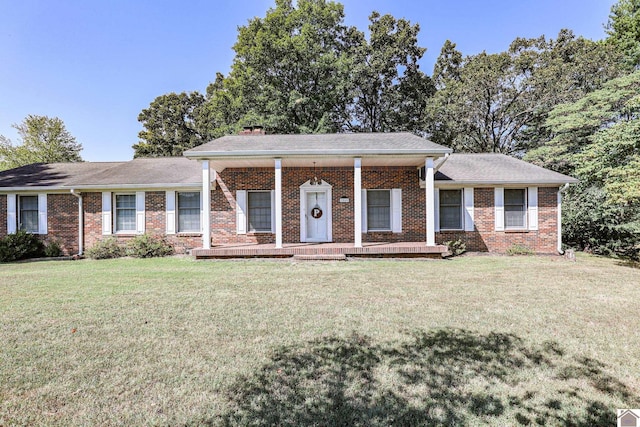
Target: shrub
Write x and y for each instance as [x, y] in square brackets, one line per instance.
[456, 247]
[517, 249]
[105, 249]
[145, 246]
[591, 224]
[20, 245]
[52, 249]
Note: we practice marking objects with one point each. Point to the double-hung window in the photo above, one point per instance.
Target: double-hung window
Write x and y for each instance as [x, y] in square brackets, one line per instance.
[259, 211]
[188, 212]
[515, 208]
[379, 210]
[451, 209]
[125, 213]
[28, 213]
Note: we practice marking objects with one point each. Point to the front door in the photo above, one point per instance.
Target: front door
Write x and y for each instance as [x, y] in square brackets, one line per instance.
[316, 214]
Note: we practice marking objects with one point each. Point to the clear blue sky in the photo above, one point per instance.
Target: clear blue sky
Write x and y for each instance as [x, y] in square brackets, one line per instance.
[96, 64]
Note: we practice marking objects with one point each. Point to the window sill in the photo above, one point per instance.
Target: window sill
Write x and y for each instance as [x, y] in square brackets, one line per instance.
[457, 230]
[379, 231]
[189, 234]
[516, 230]
[251, 233]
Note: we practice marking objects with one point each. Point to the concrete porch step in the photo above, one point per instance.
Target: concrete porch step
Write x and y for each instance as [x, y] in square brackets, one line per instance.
[320, 257]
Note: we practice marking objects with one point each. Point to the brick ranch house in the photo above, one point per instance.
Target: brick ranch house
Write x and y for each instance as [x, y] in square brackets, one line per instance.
[285, 191]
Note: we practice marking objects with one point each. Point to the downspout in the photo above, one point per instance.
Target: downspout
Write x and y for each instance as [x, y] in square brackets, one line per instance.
[80, 222]
[559, 220]
[446, 157]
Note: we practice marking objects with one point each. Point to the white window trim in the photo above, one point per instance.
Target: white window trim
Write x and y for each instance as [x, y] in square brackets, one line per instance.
[242, 212]
[525, 227]
[531, 209]
[171, 211]
[395, 211]
[174, 214]
[462, 210]
[139, 213]
[13, 213]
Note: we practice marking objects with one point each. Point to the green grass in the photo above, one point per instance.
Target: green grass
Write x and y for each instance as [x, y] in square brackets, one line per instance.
[468, 341]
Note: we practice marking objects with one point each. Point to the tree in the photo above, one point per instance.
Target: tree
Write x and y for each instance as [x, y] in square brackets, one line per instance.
[290, 67]
[389, 92]
[300, 69]
[499, 102]
[623, 29]
[171, 125]
[42, 140]
[596, 139]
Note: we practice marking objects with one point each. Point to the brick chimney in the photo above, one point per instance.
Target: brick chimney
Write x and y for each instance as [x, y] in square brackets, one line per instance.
[252, 130]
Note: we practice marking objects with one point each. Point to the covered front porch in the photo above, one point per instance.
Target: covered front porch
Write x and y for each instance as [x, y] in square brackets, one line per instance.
[322, 251]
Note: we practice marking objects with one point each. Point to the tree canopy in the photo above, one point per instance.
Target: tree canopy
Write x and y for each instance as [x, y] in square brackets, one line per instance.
[623, 29]
[42, 140]
[300, 69]
[498, 102]
[170, 125]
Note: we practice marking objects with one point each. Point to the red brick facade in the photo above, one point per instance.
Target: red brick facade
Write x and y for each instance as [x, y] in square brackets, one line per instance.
[62, 221]
[63, 212]
[486, 239]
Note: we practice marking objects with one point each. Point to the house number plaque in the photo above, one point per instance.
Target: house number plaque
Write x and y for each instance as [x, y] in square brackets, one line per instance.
[316, 212]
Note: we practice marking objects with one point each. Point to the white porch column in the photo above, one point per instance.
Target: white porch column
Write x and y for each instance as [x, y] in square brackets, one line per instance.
[430, 195]
[278, 203]
[206, 205]
[357, 202]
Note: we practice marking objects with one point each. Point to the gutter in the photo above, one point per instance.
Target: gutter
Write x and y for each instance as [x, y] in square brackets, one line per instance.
[559, 220]
[80, 222]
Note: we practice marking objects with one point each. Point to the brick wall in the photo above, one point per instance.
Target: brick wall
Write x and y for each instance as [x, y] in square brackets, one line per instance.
[223, 216]
[63, 210]
[155, 222]
[62, 221]
[486, 239]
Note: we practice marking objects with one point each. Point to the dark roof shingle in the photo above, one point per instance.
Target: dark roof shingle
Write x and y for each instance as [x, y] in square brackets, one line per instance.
[362, 143]
[493, 168]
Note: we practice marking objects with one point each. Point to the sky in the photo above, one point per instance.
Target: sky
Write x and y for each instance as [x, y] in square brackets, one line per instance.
[96, 64]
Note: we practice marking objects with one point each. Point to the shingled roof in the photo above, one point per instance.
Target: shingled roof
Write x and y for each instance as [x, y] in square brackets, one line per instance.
[494, 168]
[462, 169]
[357, 144]
[156, 172]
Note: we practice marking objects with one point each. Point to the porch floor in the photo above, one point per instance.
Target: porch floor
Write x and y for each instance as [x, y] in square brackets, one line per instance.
[374, 249]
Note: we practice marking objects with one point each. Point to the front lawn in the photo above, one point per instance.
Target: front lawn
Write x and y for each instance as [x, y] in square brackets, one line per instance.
[473, 340]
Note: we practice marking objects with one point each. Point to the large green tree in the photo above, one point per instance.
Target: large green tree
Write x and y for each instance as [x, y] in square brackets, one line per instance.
[171, 124]
[623, 29]
[499, 102]
[42, 140]
[291, 66]
[388, 92]
[300, 69]
[597, 140]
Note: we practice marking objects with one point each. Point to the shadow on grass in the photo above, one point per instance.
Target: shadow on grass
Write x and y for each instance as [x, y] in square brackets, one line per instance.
[436, 377]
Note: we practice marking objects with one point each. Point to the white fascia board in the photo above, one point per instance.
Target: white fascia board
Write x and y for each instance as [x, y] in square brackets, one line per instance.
[48, 190]
[444, 184]
[267, 154]
[194, 186]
